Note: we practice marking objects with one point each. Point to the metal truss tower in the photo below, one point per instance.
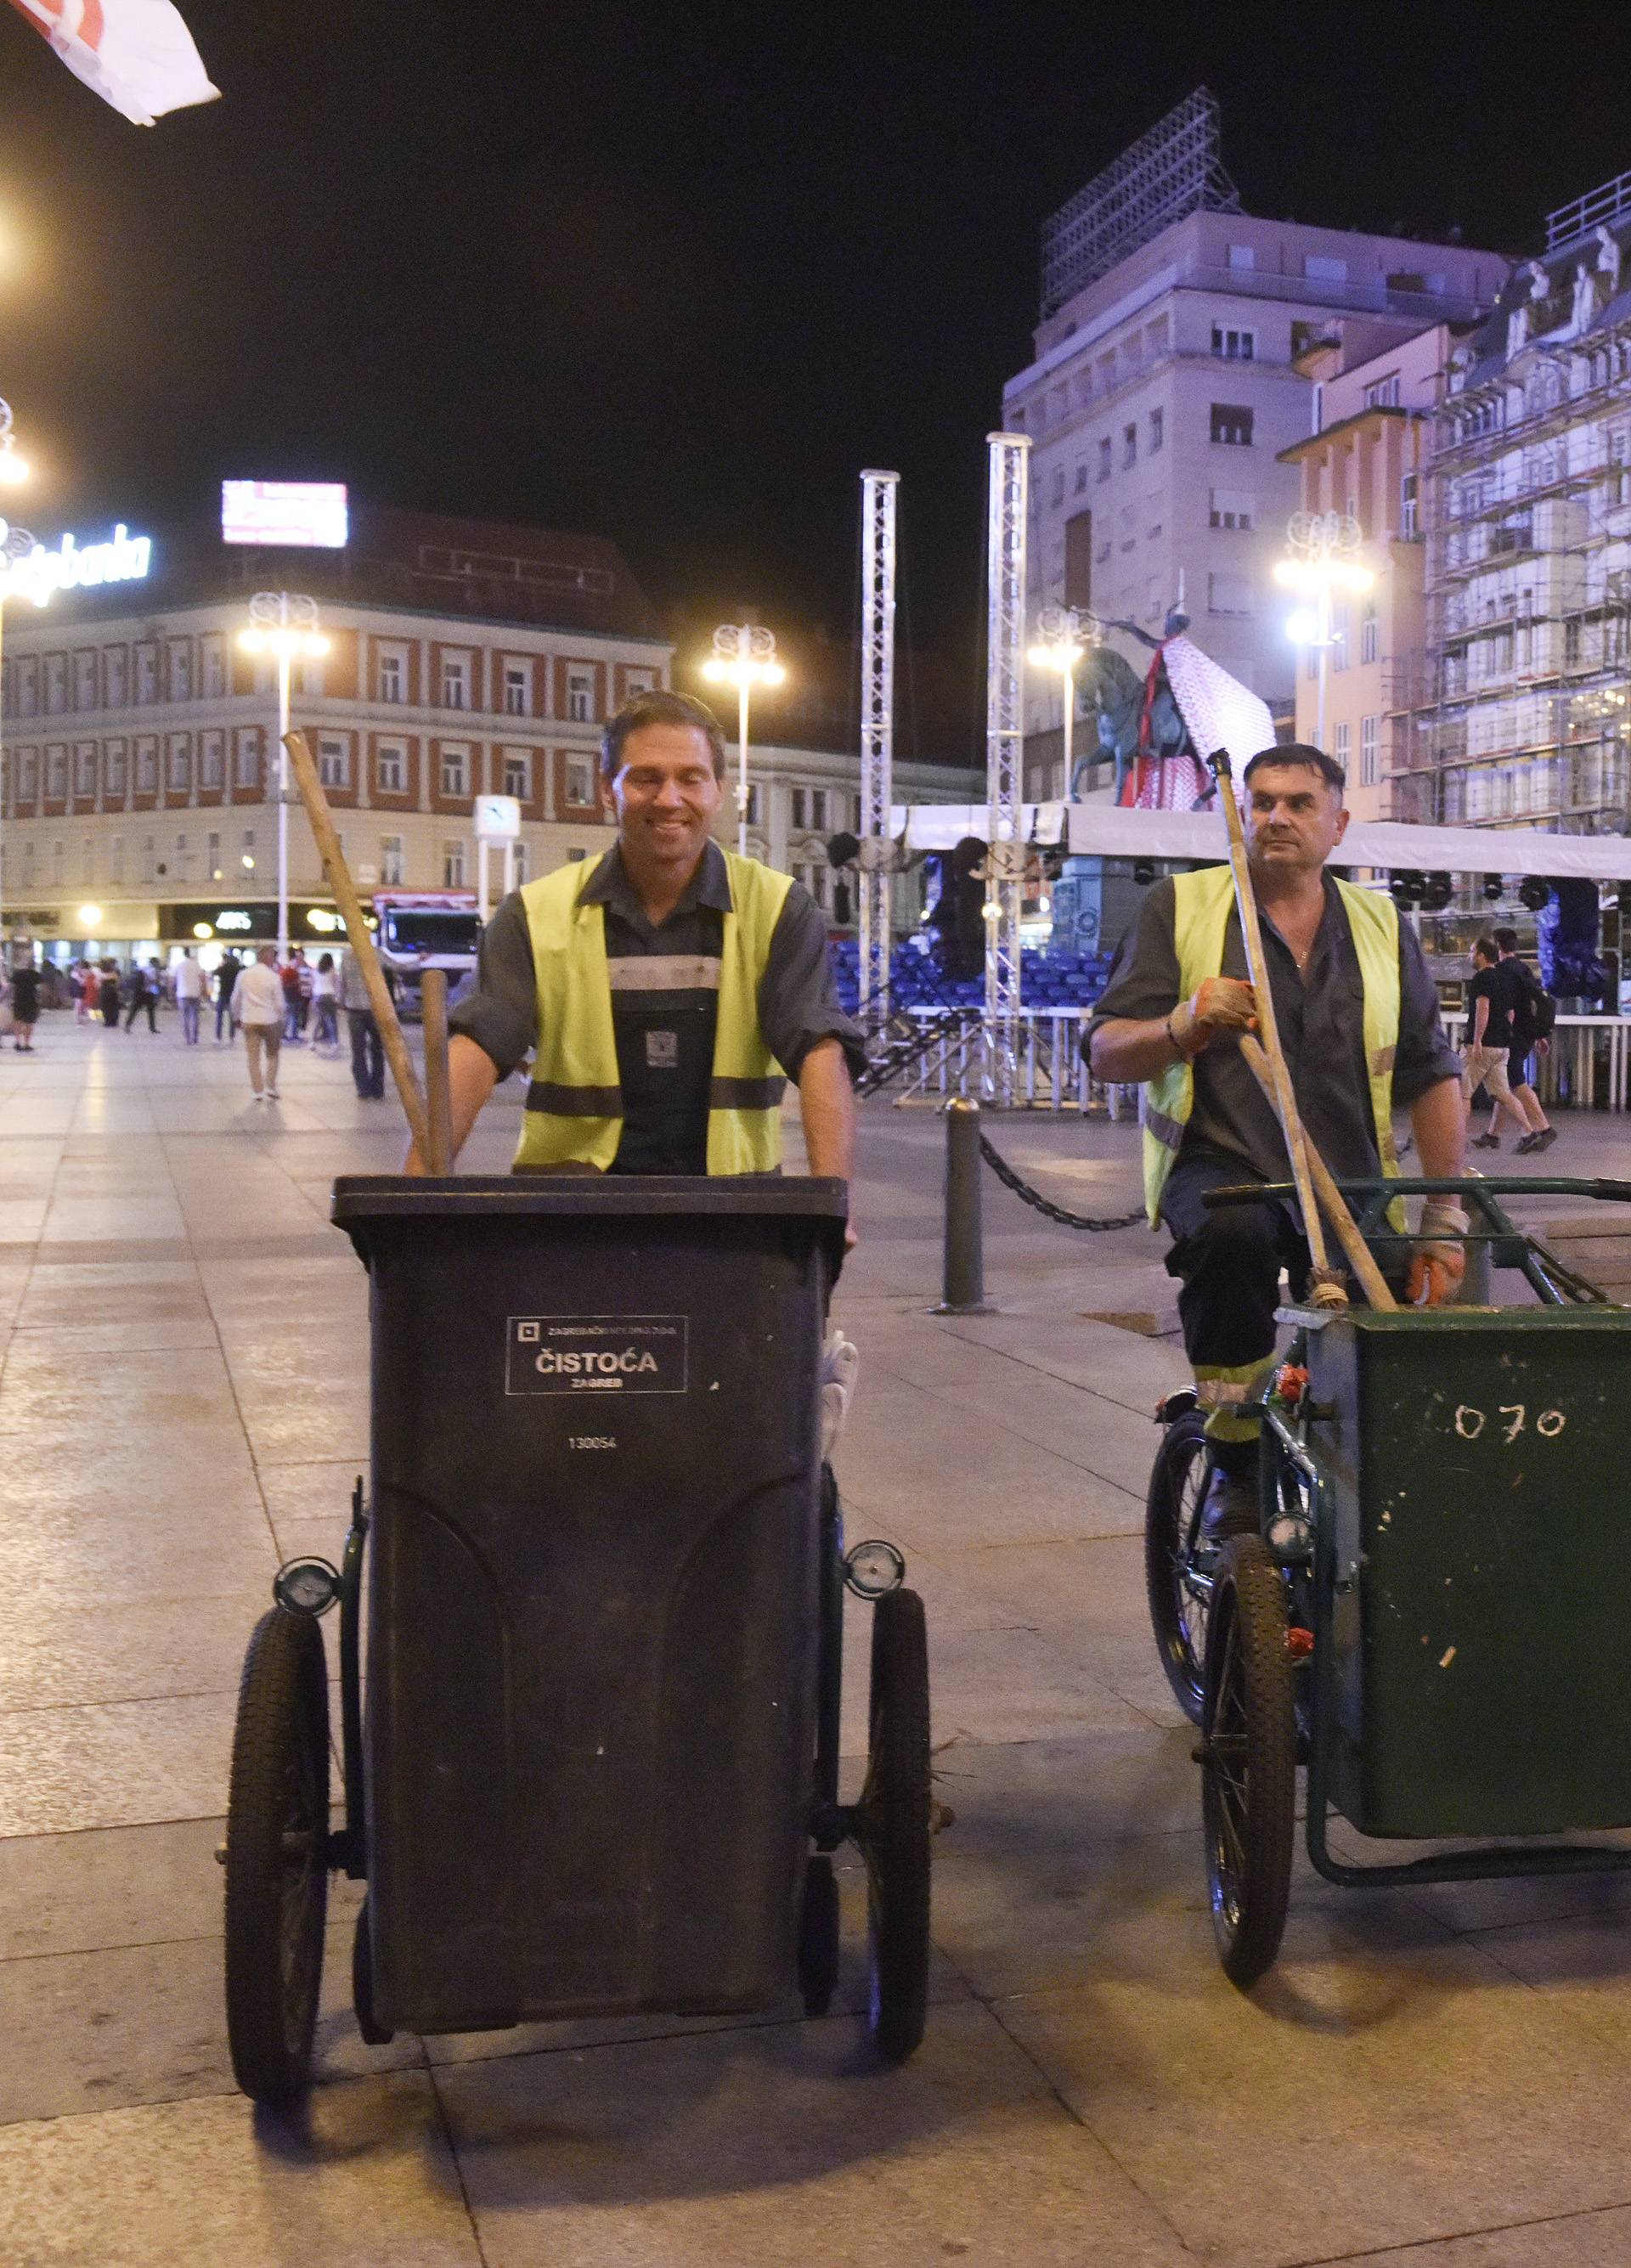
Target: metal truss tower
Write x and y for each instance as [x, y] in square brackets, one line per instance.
[877, 740]
[1175, 169]
[1005, 745]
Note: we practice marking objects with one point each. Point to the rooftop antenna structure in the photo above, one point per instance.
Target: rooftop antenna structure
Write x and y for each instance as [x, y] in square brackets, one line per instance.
[1009, 483]
[1174, 170]
[878, 495]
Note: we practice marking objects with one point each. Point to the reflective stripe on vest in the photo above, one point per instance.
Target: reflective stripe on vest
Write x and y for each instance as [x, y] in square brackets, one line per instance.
[1202, 905]
[574, 1105]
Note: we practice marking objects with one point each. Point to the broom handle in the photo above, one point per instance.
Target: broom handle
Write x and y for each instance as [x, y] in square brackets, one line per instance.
[1373, 1283]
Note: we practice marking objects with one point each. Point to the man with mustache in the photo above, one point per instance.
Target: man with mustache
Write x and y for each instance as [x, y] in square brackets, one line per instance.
[1358, 1019]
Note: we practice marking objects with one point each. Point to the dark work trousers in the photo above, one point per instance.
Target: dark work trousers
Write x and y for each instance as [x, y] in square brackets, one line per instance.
[1228, 1261]
[137, 1006]
[367, 1056]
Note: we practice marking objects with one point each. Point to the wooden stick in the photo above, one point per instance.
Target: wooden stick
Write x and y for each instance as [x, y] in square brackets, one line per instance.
[361, 944]
[1363, 1261]
[437, 1092]
[1327, 1291]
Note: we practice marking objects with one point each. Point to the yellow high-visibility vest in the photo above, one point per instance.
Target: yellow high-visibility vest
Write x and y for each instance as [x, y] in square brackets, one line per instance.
[1202, 905]
[574, 1105]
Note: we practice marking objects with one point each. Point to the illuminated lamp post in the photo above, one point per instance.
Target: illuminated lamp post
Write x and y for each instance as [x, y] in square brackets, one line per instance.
[1322, 555]
[285, 625]
[744, 655]
[1064, 634]
[15, 543]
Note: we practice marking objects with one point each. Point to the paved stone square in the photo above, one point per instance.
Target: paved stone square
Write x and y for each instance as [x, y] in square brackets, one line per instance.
[1438, 2081]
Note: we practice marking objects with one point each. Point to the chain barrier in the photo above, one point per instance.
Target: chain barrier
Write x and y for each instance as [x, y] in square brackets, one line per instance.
[1045, 1206]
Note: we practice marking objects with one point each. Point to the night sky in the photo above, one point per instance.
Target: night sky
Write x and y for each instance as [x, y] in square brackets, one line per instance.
[677, 275]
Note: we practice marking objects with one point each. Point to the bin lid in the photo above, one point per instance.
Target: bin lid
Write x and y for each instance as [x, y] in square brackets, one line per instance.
[362, 1199]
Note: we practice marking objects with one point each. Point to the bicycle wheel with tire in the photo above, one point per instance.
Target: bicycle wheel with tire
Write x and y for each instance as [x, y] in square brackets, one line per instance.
[277, 1857]
[1249, 1760]
[1179, 1610]
[892, 1826]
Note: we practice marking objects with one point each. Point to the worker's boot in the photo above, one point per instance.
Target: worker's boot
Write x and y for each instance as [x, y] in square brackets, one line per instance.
[1231, 1505]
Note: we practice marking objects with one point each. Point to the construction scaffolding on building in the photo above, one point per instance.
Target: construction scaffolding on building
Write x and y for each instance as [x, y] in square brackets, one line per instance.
[1174, 170]
[1514, 711]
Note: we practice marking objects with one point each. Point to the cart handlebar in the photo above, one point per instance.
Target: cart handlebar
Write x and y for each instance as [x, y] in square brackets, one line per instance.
[1482, 1185]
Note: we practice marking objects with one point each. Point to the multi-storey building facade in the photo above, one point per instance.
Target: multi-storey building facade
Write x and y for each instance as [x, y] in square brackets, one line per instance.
[1375, 408]
[1166, 386]
[1520, 691]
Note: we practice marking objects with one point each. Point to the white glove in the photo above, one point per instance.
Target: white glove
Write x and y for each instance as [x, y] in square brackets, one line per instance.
[840, 1369]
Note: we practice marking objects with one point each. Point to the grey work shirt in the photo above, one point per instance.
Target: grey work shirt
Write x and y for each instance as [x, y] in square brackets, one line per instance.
[1321, 1016]
[665, 986]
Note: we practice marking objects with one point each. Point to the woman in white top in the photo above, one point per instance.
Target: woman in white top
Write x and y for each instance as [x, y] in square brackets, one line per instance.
[325, 1004]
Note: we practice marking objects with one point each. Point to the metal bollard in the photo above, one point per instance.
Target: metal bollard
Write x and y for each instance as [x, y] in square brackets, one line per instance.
[964, 1275]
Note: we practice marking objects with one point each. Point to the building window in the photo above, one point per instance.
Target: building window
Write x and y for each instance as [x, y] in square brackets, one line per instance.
[146, 674]
[580, 780]
[84, 680]
[1382, 393]
[391, 763]
[28, 774]
[579, 695]
[455, 771]
[1368, 751]
[453, 864]
[754, 805]
[518, 774]
[1241, 255]
[1318, 270]
[1234, 508]
[212, 859]
[800, 807]
[517, 687]
[150, 860]
[1129, 445]
[1232, 345]
[55, 774]
[246, 861]
[1407, 528]
[182, 871]
[115, 768]
[1104, 456]
[180, 671]
[57, 875]
[115, 661]
[1082, 476]
[214, 670]
[246, 771]
[636, 681]
[1228, 594]
[392, 677]
[1231, 424]
[334, 763]
[84, 769]
[1341, 744]
[1370, 631]
[519, 864]
[28, 689]
[391, 861]
[55, 684]
[147, 768]
[1157, 430]
[180, 767]
[211, 760]
[455, 683]
[1058, 485]
[310, 683]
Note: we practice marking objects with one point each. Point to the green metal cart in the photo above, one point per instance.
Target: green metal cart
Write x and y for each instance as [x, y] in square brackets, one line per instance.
[1431, 1616]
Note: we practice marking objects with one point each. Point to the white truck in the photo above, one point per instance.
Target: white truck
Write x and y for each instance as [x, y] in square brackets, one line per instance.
[425, 929]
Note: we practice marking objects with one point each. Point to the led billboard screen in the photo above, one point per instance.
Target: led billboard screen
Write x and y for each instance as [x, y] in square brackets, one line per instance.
[310, 514]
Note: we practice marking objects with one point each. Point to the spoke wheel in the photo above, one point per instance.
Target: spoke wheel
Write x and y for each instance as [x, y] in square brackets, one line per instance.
[1249, 1761]
[892, 1826]
[1179, 1609]
[276, 1858]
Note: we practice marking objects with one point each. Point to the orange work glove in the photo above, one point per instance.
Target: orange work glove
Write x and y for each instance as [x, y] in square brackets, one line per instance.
[1437, 1266]
[1220, 1003]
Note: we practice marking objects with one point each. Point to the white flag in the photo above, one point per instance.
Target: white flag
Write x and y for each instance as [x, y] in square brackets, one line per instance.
[136, 54]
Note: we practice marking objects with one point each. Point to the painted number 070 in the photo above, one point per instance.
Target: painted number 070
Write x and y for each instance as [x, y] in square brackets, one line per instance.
[1470, 1423]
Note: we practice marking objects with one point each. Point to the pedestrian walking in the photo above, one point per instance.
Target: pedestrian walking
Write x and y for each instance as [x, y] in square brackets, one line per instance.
[1533, 1016]
[225, 981]
[79, 987]
[25, 1006]
[138, 995]
[291, 976]
[258, 1005]
[367, 1051]
[108, 994]
[1492, 995]
[325, 1004]
[190, 986]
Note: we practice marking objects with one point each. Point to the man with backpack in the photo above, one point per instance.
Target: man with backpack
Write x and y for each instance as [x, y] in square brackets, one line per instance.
[1533, 1014]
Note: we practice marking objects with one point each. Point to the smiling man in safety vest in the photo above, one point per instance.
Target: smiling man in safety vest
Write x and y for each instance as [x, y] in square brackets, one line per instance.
[667, 989]
[1358, 1020]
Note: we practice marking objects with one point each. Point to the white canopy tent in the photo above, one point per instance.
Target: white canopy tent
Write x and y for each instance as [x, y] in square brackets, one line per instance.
[1106, 830]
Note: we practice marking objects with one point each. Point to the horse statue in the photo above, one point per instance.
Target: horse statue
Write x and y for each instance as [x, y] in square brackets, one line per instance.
[1139, 723]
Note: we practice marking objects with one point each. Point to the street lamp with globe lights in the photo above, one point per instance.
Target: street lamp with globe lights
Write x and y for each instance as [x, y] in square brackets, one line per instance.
[1064, 634]
[285, 625]
[744, 655]
[1322, 555]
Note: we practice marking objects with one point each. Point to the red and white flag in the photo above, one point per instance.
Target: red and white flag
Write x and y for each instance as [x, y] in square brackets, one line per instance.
[138, 54]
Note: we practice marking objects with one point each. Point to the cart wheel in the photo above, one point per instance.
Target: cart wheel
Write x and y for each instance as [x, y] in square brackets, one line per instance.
[893, 1825]
[277, 1857]
[1178, 1609]
[1249, 1760]
[362, 1985]
[818, 1937]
